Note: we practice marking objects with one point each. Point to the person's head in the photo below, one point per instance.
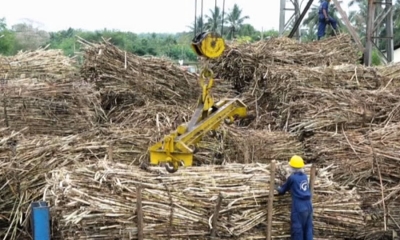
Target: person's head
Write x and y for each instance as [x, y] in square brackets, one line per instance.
[296, 164]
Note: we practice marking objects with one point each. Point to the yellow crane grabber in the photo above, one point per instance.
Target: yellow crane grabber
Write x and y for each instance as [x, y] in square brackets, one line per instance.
[177, 148]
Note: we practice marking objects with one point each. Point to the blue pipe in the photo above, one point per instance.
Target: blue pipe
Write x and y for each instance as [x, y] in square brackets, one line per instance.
[40, 218]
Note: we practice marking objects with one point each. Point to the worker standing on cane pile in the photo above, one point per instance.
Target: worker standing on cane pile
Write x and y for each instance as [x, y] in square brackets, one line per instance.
[302, 210]
[324, 18]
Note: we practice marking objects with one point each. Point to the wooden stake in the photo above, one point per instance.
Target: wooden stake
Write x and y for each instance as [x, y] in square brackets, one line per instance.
[312, 179]
[216, 216]
[270, 200]
[139, 212]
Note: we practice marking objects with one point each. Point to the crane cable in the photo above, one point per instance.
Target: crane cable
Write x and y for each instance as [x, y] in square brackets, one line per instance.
[223, 14]
[206, 43]
[195, 18]
[202, 20]
[222, 21]
[202, 23]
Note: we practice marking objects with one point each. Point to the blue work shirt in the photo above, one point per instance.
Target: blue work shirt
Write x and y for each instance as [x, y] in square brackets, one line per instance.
[299, 188]
[324, 5]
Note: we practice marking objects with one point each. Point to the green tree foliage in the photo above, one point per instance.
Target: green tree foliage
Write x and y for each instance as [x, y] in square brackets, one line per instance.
[230, 23]
[235, 21]
[7, 39]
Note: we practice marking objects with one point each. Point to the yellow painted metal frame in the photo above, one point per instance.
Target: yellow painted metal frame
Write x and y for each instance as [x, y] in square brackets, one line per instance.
[178, 147]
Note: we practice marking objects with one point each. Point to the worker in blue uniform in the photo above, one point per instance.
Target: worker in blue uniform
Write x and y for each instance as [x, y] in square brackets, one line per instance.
[302, 210]
[324, 18]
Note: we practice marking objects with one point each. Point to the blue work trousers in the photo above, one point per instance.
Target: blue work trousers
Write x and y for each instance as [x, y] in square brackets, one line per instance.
[322, 26]
[302, 225]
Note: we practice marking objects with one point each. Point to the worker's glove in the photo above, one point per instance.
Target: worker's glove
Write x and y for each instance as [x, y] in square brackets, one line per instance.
[280, 175]
[327, 20]
[278, 182]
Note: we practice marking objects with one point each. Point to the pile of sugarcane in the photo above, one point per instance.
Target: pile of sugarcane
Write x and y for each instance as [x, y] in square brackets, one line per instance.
[46, 107]
[300, 98]
[263, 146]
[80, 143]
[127, 81]
[41, 64]
[100, 200]
[344, 114]
[361, 154]
[315, 108]
[242, 63]
[27, 158]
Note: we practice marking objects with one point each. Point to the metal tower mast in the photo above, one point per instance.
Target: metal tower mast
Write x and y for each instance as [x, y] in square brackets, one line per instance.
[379, 29]
[295, 14]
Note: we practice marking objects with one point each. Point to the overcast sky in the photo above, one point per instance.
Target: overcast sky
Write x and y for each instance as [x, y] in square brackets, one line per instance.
[133, 15]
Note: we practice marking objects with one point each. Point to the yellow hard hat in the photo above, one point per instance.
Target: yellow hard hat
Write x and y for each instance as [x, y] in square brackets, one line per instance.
[296, 162]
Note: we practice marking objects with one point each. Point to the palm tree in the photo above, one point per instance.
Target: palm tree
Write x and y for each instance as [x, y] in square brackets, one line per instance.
[214, 20]
[235, 20]
[198, 26]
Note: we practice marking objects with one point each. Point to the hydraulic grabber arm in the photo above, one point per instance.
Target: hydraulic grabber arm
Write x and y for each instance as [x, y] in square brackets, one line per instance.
[177, 148]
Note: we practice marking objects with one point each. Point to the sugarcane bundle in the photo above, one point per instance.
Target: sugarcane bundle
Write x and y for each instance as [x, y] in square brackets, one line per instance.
[42, 64]
[276, 100]
[241, 63]
[360, 155]
[384, 142]
[381, 205]
[343, 150]
[24, 163]
[315, 108]
[46, 107]
[330, 51]
[222, 89]
[327, 146]
[26, 159]
[121, 74]
[262, 146]
[238, 65]
[241, 145]
[182, 204]
[262, 113]
[271, 89]
[150, 114]
[131, 110]
[391, 71]
[282, 79]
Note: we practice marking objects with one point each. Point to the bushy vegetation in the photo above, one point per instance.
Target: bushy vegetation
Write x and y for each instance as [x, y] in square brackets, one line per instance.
[176, 46]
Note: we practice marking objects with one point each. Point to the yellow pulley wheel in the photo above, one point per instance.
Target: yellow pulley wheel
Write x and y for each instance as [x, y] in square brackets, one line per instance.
[208, 44]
